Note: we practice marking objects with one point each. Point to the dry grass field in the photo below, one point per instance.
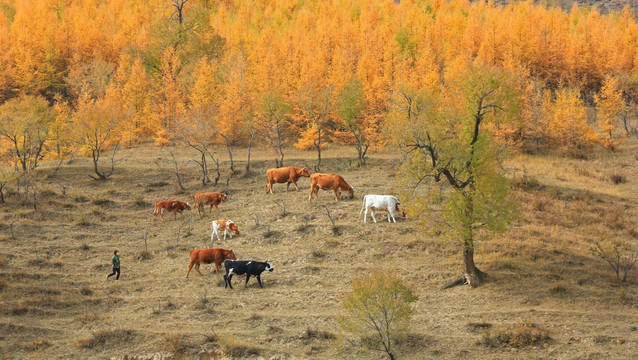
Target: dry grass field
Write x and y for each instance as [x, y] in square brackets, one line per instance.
[547, 296]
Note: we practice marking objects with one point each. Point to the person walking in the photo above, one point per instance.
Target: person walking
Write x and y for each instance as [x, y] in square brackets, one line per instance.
[116, 265]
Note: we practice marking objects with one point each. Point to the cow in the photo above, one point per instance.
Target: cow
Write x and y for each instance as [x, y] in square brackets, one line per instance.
[171, 205]
[286, 175]
[387, 203]
[226, 225]
[212, 199]
[207, 256]
[249, 268]
[329, 181]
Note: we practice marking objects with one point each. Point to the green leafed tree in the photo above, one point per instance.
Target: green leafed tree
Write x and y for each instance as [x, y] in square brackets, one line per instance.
[378, 310]
[445, 138]
[350, 104]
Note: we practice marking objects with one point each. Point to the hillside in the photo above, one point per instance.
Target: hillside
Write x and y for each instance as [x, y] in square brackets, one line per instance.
[56, 303]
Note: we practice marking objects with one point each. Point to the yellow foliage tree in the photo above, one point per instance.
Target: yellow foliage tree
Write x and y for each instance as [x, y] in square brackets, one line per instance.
[568, 126]
[611, 106]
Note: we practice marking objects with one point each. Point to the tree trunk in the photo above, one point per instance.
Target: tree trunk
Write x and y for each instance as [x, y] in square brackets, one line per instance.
[318, 146]
[2, 184]
[473, 276]
[204, 165]
[230, 154]
[250, 143]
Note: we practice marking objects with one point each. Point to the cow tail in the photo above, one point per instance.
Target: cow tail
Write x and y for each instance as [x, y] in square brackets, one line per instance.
[363, 206]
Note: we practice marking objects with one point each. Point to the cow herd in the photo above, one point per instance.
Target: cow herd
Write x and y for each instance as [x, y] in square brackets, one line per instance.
[288, 175]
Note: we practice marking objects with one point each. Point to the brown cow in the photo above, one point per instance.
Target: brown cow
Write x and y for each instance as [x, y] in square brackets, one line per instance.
[170, 205]
[287, 175]
[207, 256]
[212, 199]
[329, 181]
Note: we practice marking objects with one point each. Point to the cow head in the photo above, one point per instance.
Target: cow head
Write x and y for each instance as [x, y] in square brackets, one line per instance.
[188, 206]
[400, 209]
[268, 266]
[232, 227]
[231, 255]
[351, 191]
[224, 197]
[303, 172]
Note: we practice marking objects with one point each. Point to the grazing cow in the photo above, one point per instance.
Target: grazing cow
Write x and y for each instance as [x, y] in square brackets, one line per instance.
[226, 225]
[212, 199]
[171, 205]
[207, 256]
[387, 203]
[329, 181]
[286, 175]
[250, 268]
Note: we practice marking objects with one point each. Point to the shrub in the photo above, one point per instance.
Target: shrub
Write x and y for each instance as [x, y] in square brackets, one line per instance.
[617, 178]
[85, 247]
[525, 334]
[86, 290]
[84, 220]
[78, 197]
[236, 349]
[100, 200]
[38, 344]
[46, 192]
[143, 255]
[621, 257]
[138, 199]
[175, 343]
[378, 310]
[103, 337]
[558, 288]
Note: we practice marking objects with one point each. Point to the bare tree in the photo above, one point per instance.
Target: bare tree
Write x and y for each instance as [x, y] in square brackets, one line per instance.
[2, 185]
[178, 13]
[160, 164]
[620, 257]
[315, 104]
[198, 131]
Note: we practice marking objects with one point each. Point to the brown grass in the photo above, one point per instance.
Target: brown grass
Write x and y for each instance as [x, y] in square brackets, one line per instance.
[540, 268]
[38, 344]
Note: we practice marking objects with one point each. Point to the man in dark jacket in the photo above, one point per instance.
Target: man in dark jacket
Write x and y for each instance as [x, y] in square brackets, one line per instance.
[116, 265]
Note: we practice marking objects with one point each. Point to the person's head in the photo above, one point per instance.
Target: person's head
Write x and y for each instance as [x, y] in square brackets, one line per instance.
[116, 252]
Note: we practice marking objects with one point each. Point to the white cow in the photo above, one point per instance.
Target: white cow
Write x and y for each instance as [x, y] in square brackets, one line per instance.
[387, 203]
[227, 225]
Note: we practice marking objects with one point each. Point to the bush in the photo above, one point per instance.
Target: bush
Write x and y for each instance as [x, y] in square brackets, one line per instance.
[138, 199]
[86, 290]
[235, 349]
[525, 334]
[617, 178]
[175, 343]
[106, 337]
[38, 344]
[143, 255]
[378, 310]
[81, 198]
[100, 200]
[84, 220]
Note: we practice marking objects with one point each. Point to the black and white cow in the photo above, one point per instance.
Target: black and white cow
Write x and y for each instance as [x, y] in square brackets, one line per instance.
[244, 267]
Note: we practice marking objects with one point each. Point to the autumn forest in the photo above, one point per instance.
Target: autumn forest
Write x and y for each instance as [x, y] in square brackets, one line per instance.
[89, 75]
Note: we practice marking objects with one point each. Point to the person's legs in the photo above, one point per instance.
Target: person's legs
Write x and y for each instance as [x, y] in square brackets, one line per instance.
[113, 273]
[118, 274]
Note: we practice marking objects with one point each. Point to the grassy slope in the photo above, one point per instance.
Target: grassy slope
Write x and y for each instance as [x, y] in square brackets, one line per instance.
[541, 270]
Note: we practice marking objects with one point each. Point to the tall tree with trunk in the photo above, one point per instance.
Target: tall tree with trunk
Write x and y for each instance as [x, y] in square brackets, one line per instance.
[271, 120]
[24, 128]
[445, 139]
[314, 106]
[96, 123]
[350, 104]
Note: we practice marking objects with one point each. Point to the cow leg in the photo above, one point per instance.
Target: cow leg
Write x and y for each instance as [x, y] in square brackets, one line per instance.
[216, 268]
[391, 215]
[365, 215]
[190, 265]
[247, 277]
[225, 234]
[230, 233]
[228, 280]
[336, 195]
[373, 216]
[259, 280]
[216, 207]
[295, 183]
[287, 186]
[197, 268]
